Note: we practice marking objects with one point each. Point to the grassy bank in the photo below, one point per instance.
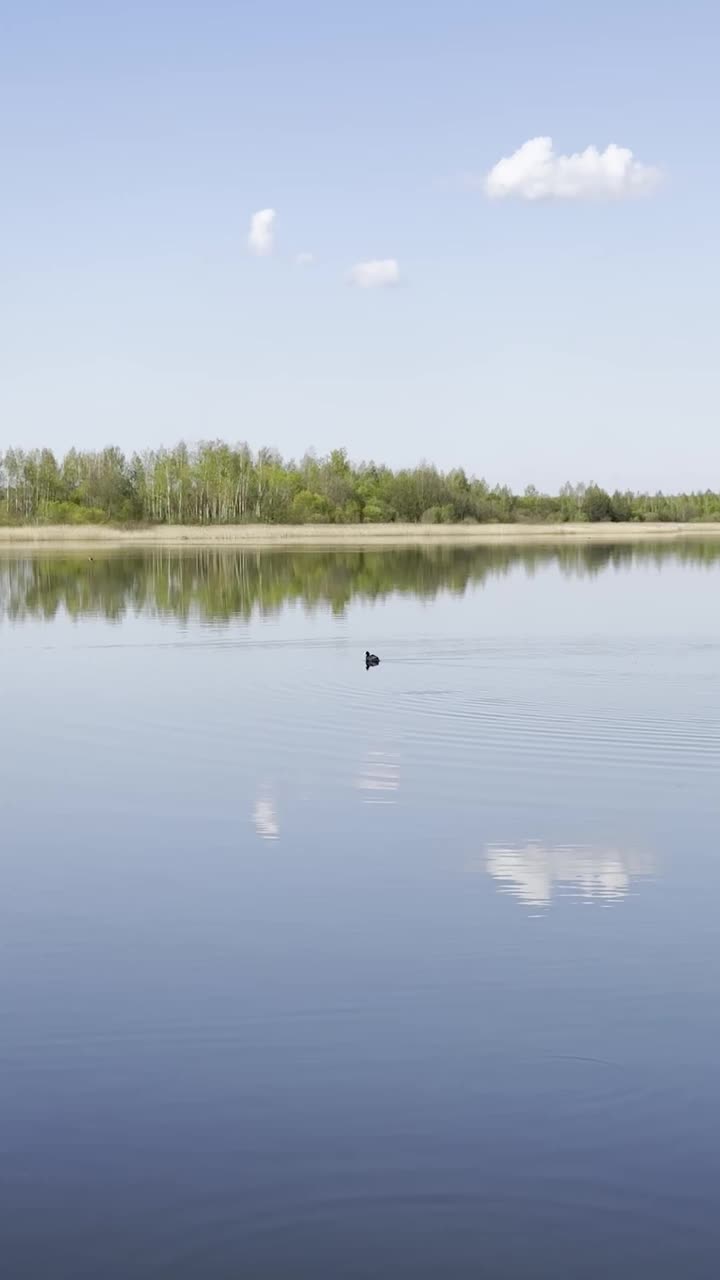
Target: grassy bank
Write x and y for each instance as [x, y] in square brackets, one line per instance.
[342, 535]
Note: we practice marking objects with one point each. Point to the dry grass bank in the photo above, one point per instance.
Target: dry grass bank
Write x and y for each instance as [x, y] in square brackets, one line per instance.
[364, 535]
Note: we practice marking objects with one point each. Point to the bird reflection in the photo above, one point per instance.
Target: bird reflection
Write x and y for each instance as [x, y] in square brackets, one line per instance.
[265, 817]
[379, 778]
[535, 874]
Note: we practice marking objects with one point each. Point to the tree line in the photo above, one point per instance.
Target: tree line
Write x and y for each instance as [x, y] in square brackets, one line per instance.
[218, 483]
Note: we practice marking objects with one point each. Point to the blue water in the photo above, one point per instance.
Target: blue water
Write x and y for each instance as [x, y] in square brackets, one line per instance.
[308, 970]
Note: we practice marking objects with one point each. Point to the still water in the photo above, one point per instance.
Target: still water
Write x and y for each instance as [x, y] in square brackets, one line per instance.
[312, 971]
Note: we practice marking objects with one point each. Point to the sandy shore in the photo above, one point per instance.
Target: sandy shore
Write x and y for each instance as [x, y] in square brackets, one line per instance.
[364, 535]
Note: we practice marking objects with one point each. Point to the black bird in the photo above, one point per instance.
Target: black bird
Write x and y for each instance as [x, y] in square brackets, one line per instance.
[371, 660]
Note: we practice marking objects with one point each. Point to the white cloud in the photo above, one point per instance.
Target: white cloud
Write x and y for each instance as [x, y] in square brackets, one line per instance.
[262, 232]
[536, 172]
[304, 259]
[377, 274]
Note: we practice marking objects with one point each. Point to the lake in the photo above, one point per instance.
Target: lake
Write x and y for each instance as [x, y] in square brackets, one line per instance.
[312, 971]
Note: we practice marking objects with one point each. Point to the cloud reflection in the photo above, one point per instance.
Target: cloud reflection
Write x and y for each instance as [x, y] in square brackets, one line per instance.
[535, 874]
[379, 778]
[265, 818]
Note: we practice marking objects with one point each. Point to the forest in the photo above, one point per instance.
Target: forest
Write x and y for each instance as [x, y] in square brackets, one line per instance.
[217, 483]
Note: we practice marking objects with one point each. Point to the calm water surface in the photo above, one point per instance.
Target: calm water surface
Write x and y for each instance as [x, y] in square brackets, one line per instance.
[308, 970]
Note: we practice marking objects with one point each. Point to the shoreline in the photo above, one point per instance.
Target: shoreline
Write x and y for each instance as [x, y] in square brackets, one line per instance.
[358, 536]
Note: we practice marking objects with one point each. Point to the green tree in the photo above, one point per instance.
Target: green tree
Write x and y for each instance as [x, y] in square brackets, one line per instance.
[597, 504]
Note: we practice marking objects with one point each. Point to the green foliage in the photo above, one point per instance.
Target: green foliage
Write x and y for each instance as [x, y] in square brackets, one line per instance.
[597, 504]
[310, 508]
[72, 513]
[438, 515]
[218, 483]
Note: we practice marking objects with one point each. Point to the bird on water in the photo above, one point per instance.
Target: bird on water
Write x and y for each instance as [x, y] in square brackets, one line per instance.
[371, 659]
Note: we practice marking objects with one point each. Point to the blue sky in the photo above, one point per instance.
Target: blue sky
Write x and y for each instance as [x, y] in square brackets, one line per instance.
[532, 341]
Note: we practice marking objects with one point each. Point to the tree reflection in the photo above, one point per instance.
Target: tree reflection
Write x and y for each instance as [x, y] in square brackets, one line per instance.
[225, 584]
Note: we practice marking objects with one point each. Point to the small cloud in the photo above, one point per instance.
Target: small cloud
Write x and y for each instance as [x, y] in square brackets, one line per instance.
[536, 172]
[304, 259]
[262, 233]
[377, 274]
